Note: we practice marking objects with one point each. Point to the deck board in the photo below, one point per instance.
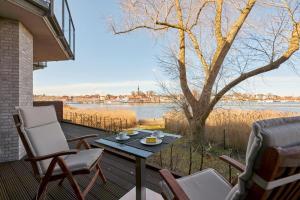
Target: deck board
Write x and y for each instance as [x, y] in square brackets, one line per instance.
[9, 178]
[18, 183]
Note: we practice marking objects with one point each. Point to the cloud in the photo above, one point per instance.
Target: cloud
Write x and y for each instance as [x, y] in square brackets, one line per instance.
[124, 87]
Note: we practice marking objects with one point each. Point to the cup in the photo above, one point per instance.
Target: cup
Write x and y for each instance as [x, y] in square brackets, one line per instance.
[122, 135]
[157, 134]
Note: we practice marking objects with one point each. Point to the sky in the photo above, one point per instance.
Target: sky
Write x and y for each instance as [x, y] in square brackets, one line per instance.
[117, 64]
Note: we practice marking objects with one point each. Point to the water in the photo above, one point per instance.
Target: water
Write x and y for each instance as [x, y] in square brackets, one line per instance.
[144, 111]
[277, 106]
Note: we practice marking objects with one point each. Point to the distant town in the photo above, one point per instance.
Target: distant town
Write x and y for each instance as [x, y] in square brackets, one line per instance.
[152, 97]
[135, 97]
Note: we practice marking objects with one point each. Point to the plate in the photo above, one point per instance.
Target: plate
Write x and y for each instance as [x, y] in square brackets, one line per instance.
[121, 139]
[133, 133]
[158, 141]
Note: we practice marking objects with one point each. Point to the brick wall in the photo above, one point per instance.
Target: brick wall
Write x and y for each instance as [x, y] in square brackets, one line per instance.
[25, 73]
[16, 54]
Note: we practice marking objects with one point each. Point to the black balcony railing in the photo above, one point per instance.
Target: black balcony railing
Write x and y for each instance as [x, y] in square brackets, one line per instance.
[61, 15]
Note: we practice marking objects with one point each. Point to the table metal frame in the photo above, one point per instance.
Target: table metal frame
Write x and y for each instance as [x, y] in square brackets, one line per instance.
[140, 165]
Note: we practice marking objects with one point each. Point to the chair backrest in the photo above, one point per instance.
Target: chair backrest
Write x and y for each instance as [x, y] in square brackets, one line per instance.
[278, 176]
[266, 134]
[41, 133]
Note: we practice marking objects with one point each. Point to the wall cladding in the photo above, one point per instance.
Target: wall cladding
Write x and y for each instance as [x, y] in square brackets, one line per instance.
[16, 61]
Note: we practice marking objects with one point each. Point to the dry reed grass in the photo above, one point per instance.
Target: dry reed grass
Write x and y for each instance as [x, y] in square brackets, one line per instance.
[178, 158]
[233, 126]
[152, 122]
[237, 126]
[109, 116]
[236, 123]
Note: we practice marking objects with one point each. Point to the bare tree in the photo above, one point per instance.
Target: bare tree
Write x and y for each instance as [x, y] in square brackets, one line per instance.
[217, 43]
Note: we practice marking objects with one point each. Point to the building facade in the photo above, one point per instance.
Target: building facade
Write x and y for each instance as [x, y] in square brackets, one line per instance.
[30, 35]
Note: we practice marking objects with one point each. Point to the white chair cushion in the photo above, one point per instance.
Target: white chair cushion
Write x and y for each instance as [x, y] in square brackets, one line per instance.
[284, 132]
[83, 160]
[204, 185]
[37, 116]
[45, 136]
[47, 139]
[280, 132]
[42, 132]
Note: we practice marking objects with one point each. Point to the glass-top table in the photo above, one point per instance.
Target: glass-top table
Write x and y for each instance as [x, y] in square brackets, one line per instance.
[141, 152]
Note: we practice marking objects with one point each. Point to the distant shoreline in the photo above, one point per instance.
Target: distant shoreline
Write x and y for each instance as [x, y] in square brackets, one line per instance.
[119, 103]
[221, 102]
[157, 110]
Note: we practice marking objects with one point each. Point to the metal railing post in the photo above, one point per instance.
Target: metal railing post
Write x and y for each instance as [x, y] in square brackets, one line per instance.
[63, 16]
[73, 41]
[69, 31]
[52, 7]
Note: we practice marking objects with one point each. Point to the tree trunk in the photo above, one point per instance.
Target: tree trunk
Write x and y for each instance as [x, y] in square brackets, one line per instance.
[198, 131]
[197, 139]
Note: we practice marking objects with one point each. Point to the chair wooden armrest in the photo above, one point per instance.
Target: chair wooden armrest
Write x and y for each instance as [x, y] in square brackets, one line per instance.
[81, 141]
[82, 137]
[173, 185]
[236, 164]
[53, 155]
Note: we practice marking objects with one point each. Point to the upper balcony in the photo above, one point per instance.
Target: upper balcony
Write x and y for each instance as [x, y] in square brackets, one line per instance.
[51, 24]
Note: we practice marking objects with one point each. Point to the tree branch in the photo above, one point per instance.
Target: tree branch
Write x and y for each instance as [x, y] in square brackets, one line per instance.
[168, 12]
[187, 112]
[218, 22]
[293, 47]
[199, 52]
[198, 14]
[223, 50]
[181, 58]
[137, 27]
[240, 21]
[169, 25]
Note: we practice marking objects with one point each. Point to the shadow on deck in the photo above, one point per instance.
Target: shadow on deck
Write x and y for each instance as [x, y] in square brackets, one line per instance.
[18, 183]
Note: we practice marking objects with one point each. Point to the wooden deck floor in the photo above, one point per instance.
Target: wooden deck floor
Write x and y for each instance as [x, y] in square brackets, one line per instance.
[18, 183]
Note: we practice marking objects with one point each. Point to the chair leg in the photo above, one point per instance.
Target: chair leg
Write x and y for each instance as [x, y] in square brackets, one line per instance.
[42, 188]
[91, 184]
[45, 179]
[101, 173]
[88, 146]
[73, 182]
[76, 188]
[61, 181]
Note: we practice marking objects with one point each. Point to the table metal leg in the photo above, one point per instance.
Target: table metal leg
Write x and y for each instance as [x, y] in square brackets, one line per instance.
[140, 174]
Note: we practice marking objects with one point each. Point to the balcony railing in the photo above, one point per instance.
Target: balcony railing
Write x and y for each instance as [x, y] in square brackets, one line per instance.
[41, 3]
[61, 16]
[60, 11]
